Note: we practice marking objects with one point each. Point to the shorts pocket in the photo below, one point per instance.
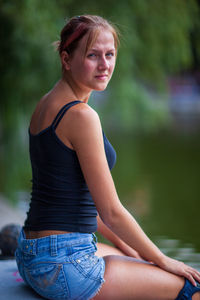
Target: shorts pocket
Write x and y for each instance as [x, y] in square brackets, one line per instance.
[48, 280]
[89, 266]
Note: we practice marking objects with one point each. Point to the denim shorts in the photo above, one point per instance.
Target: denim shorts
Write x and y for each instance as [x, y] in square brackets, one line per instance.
[61, 266]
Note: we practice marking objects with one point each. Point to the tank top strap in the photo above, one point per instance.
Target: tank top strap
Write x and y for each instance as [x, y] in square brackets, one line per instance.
[62, 111]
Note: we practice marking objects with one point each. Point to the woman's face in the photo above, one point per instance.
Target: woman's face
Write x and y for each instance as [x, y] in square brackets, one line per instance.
[92, 70]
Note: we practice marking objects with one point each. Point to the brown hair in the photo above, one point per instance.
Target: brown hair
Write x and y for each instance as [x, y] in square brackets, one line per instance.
[78, 26]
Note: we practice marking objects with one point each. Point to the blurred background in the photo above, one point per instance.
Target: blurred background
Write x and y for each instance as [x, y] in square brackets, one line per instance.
[150, 111]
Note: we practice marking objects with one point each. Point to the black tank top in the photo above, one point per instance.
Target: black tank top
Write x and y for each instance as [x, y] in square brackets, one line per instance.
[60, 198]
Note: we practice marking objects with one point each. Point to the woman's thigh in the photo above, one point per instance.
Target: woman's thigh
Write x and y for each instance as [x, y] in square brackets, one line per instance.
[104, 250]
[128, 278]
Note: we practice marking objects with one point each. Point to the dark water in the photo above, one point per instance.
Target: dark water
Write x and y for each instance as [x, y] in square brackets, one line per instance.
[157, 178]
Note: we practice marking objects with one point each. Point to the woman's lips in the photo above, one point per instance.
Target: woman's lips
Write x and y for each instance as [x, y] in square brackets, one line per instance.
[101, 77]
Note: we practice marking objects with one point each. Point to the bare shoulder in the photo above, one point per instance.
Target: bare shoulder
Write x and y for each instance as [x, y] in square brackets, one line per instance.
[83, 117]
[45, 107]
[83, 127]
[83, 112]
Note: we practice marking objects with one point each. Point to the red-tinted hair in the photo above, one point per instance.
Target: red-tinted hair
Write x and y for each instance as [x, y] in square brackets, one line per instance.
[78, 26]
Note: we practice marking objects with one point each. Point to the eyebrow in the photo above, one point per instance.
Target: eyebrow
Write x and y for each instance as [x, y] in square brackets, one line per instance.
[96, 50]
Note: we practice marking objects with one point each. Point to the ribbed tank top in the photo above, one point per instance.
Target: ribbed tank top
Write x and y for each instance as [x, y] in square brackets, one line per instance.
[60, 198]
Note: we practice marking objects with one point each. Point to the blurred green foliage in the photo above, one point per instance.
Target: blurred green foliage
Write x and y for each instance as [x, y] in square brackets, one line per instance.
[155, 43]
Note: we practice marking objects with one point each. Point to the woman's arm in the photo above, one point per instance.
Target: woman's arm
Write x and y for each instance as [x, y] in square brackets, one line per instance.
[85, 135]
[115, 240]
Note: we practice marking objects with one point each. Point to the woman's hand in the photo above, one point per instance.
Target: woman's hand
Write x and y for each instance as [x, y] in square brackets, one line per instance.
[179, 268]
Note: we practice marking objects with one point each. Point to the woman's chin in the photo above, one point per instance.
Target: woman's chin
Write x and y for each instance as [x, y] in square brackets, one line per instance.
[101, 87]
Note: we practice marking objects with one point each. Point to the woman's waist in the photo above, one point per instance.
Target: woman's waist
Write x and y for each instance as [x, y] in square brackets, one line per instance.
[31, 234]
[35, 242]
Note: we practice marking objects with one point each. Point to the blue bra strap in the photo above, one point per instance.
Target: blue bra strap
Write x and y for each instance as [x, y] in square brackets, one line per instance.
[62, 111]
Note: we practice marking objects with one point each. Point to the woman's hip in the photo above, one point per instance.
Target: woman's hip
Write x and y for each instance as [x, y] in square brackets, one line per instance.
[59, 267]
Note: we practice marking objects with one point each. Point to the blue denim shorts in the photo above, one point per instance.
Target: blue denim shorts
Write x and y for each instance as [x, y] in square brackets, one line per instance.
[61, 266]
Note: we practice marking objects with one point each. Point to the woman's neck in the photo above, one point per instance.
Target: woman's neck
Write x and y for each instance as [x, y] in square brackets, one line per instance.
[71, 90]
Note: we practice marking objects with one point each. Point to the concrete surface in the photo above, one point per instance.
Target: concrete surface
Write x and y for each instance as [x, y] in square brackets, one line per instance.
[12, 286]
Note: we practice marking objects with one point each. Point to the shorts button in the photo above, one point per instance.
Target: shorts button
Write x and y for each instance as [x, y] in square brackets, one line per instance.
[26, 246]
[78, 261]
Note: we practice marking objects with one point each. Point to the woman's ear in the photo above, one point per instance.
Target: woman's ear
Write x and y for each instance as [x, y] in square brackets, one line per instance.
[65, 60]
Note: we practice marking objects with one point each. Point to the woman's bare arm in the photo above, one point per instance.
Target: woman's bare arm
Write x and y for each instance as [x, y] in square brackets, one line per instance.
[115, 240]
[85, 135]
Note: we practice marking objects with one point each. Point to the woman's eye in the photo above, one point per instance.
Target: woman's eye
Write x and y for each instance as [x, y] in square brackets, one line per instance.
[92, 55]
[110, 54]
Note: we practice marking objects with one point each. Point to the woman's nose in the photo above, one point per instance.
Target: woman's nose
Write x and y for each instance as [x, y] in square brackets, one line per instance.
[103, 63]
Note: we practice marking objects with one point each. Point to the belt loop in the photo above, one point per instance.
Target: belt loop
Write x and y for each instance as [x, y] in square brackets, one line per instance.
[94, 237]
[53, 245]
[94, 241]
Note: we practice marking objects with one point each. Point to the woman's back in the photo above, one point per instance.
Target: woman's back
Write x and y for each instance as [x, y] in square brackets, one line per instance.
[60, 196]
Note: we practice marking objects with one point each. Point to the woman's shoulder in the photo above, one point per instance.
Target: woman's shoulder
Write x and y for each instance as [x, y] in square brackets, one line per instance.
[83, 113]
[83, 121]
[81, 117]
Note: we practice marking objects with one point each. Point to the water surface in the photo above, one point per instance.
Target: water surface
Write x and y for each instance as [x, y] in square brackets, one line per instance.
[157, 178]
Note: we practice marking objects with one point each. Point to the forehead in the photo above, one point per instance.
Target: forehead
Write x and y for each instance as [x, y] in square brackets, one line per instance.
[104, 38]
[100, 40]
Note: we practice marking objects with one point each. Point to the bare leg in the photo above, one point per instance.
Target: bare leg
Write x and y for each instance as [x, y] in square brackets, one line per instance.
[128, 278]
[104, 249]
[196, 296]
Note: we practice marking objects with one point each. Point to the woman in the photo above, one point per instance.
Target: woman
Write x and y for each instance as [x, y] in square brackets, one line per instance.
[71, 160]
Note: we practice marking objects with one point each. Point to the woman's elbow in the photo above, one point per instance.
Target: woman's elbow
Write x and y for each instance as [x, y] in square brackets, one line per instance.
[112, 216]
